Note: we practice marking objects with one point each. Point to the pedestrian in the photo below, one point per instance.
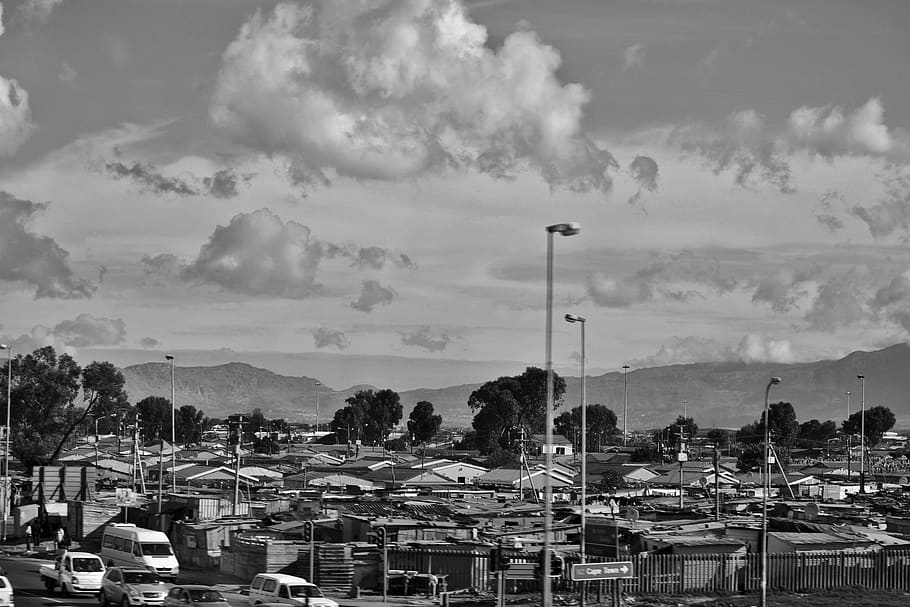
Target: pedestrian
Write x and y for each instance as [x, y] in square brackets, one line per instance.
[58, 538]
[66, 539]
[432, 581]
[28, 537]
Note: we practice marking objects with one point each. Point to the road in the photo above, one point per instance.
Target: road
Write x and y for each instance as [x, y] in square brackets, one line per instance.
[30, 592]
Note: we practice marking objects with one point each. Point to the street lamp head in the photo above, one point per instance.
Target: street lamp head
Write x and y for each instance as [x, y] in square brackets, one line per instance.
[566, 229]
[168, 357]
[775, 380]
[625, 367]
[861, 377]
[575, 318]
[4, 347]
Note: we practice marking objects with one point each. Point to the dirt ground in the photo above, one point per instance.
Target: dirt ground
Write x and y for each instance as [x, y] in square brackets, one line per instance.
[840, 598]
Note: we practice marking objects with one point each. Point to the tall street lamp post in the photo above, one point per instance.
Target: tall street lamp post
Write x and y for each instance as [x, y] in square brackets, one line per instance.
[625, 402]
[849, 442]
[566, 229]
[862, 435]
[173, 428]
[9, 406]
[316, 385]
[766, 488]
[572, 318]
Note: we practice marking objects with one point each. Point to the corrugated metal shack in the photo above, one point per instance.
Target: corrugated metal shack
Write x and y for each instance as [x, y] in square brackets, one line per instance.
[199, 545]
[86, 520]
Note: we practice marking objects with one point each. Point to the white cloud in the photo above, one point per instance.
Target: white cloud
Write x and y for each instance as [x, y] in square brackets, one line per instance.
[373, 294]
[36, 260]
[758, 153]
[87, 330]
[392, 90]
[423, 338]
[330, 338]
[37, 11]
[633, 56]
[750, 349]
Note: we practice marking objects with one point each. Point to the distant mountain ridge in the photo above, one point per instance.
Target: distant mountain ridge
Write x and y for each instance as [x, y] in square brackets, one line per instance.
[714, 394]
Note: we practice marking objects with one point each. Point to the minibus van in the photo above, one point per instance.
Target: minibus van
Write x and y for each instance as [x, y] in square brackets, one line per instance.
[127, 545]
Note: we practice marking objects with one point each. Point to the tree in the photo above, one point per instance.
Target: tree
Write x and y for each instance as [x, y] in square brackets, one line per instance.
[718, 437]
[44, 387]
[686, 424]
[814, 433]
[190, 425]
[512, 402]
[370, 415]
[600, 422]
[103, 392]
[784, 432]
[422, 423]
[878, 421]
[154, 417]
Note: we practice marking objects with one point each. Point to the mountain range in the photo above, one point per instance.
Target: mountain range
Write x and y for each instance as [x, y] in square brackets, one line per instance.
[714, 394]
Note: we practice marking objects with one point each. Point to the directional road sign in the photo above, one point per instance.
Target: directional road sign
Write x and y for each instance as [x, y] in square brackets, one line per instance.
[602, 571]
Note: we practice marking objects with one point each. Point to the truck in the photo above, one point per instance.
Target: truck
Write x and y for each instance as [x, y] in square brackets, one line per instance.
[73, 572]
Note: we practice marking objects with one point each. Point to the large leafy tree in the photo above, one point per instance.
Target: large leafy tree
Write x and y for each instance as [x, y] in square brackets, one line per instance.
[512, 402]
[190, 425]
[600, 422]
[814, 433]
[369, 415]
[423, 424]
[154, 417]
[784, 430]
[682, 424]
[878, 421]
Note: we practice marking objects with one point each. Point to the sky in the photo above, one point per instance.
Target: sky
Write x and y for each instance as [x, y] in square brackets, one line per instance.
[365, 179]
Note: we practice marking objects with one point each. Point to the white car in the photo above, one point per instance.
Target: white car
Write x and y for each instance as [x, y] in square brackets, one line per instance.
[6, 592]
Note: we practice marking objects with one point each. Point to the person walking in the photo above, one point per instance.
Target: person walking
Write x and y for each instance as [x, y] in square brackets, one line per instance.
[58, 538]
[28, 537]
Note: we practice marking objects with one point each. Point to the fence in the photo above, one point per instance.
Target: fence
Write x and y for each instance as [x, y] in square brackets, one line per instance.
[688, 574]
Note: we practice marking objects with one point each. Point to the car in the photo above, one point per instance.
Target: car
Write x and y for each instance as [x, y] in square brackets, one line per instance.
[127, 586]
[194, 595]
[281, 588]
[6, 591]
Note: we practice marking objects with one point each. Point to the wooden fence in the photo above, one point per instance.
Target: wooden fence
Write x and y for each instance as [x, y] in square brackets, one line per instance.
[688, 574]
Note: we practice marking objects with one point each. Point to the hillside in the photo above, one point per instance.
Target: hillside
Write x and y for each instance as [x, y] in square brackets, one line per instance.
[717, 394]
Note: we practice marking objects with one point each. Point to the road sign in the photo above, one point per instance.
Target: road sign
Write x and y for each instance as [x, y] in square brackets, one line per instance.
[602, 571]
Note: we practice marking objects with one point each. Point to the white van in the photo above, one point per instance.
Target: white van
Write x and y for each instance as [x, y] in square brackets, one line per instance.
[288, 589]
[127, 545]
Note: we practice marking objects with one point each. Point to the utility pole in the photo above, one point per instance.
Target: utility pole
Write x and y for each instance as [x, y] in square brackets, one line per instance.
[682, 457]
[716, 485]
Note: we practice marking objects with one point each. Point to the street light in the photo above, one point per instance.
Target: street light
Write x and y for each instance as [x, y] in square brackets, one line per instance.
[566, 229]
[849, 442]
[9, 405]
[316, 385]
[766, 488]
[862, 436]
[572, 318]
[625, 403]
[173, 428]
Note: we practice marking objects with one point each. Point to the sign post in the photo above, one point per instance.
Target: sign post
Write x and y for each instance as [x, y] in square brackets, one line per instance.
[602, 571]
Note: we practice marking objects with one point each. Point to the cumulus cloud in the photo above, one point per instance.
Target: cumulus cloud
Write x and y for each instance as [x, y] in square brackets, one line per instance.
[757, 153]
[840, 302]
[36, 260]
[393, 90]
[223, 184]
[892, 301]
[376, 258]
[15, 114]
[657, 278]
[825, 213]
[644, 171]
[87, 330]
[149, 343]
[423, 338]
[37, 11]
[750, 349]
[782, 290]
[260, 254]
[330, 338]
[633, 56]
[150, 179]
[892, 212]
[373, 294]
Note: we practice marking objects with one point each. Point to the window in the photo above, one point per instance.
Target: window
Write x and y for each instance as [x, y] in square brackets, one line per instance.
[269, 585]
[140, 577]
[114, 575]
[300, 591]
[156, 549]
[462, 480]
[257, 583]
[118, 544]
[87, 565]
[108, 541]
[175, 593]
[283, 592]
[205, 596]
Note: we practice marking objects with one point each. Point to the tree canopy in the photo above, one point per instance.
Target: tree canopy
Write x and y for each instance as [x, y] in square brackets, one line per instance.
[422, 423]
[878, 421]
[369, 416]
[512, 402]
[600, 422]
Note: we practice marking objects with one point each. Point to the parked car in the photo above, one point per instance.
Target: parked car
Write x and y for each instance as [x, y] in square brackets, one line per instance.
[127, 545]
[73, 572]
[127, 586]
[287, 590]
[6, 591]
[194, 595]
